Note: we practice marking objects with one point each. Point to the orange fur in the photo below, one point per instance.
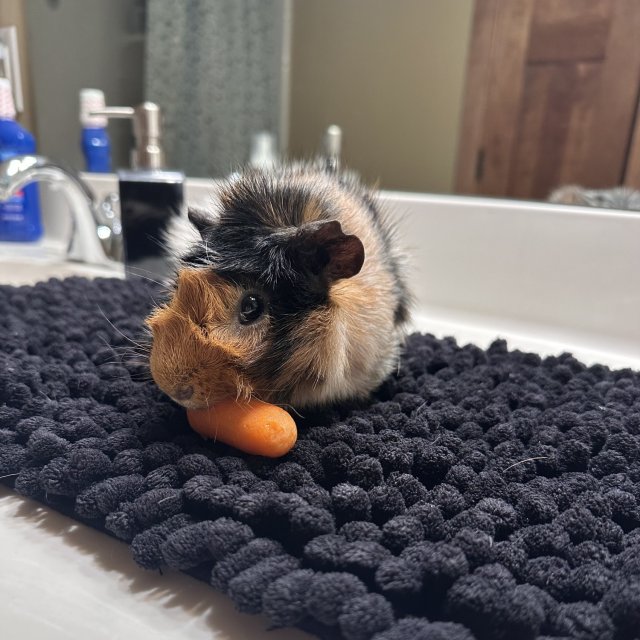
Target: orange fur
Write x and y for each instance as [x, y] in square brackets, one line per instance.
[198, 343]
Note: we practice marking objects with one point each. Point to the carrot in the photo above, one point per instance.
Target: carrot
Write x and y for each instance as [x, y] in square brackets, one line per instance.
[256, 427]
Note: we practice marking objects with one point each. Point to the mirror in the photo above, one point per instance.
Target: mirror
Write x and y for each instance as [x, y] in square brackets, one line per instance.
[509, 99]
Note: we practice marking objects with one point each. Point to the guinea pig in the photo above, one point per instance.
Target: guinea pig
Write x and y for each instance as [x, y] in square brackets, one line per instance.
[292, 292]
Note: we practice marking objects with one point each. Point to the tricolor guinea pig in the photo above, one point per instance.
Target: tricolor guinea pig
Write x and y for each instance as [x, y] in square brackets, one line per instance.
[290, 291]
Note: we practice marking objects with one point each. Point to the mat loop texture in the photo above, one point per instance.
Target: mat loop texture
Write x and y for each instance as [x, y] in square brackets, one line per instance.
[481, 494]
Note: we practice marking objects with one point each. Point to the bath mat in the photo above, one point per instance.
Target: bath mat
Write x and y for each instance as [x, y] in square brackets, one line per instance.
[481, 494]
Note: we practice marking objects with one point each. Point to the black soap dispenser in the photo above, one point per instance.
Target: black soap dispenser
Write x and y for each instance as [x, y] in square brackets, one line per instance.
[150, 195]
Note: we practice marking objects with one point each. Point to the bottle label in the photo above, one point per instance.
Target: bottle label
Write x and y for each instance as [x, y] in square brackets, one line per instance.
[12, 210]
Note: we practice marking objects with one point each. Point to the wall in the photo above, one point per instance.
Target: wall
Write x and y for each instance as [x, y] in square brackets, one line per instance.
[391, 74]
[12, 14]
[83, 43]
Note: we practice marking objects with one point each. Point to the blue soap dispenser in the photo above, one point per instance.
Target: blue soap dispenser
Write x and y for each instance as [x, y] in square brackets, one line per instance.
[96, 145]
[20, 219]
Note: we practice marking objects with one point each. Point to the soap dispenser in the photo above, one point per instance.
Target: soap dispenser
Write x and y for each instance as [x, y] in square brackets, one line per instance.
[150, 195]
[332, 148]
[96, 146]
[19, 215]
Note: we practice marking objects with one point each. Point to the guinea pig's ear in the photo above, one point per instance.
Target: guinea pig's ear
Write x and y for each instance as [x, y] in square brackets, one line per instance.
[201, 219]
[324, 249]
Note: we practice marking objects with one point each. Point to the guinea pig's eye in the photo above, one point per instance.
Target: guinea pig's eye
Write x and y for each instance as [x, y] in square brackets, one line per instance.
[251, 308]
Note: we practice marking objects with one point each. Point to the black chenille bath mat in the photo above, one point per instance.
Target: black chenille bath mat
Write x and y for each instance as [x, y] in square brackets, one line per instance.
[482, 494]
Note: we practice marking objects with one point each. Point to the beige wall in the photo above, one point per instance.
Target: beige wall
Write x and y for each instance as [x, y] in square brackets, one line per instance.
[391, 74]
[12, 15]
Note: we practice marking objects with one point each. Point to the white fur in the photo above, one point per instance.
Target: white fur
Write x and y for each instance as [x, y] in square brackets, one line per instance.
[179, 236]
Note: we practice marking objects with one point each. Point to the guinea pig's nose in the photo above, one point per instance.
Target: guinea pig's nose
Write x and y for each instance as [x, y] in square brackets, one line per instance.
[183, 393]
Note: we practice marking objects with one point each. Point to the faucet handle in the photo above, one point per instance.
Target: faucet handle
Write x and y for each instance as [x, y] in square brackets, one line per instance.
[109, 226]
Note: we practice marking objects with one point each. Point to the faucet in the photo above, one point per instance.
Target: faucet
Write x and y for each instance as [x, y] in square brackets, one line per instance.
[95, 231]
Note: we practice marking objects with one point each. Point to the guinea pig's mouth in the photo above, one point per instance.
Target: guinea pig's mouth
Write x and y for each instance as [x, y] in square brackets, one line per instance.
[199, 389]
[195, 400]
[198, 393]
[191, 405]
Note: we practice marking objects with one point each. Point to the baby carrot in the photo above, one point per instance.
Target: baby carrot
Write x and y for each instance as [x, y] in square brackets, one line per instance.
[255, 427]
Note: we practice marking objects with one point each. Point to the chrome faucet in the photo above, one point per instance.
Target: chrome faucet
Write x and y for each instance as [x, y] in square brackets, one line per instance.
[96, 234]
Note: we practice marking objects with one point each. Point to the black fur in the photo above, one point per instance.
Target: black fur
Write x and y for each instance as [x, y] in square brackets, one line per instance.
[263, 240]
[258, 233]
[259, 199]
[260, 239]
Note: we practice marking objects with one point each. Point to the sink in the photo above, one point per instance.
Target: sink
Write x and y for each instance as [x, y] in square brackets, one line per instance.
[28, 263]
[548, 278]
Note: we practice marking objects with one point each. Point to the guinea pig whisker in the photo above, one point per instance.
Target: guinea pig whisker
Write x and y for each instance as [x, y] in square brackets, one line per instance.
[292, 409]
[125, 360]
[108, 345]
[130, 377]
[287, 406]
[159, 243]
[143, 277]
[121, 347]
[150, 273]
[144, 362]
[215, 433]
[133, 355]
[108, 362]
[284, 405]
[165, 289]
[124, 335]
[129, 356]
[124, 351]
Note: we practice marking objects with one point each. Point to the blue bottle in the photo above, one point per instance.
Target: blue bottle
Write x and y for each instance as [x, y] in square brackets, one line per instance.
[97, 149]
[20, 219]
[95, 142]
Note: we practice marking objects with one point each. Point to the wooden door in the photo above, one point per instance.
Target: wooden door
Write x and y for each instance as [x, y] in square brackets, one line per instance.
[551, 97]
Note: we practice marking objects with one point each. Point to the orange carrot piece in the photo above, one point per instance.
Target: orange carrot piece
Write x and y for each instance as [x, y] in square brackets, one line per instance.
[256, 427]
